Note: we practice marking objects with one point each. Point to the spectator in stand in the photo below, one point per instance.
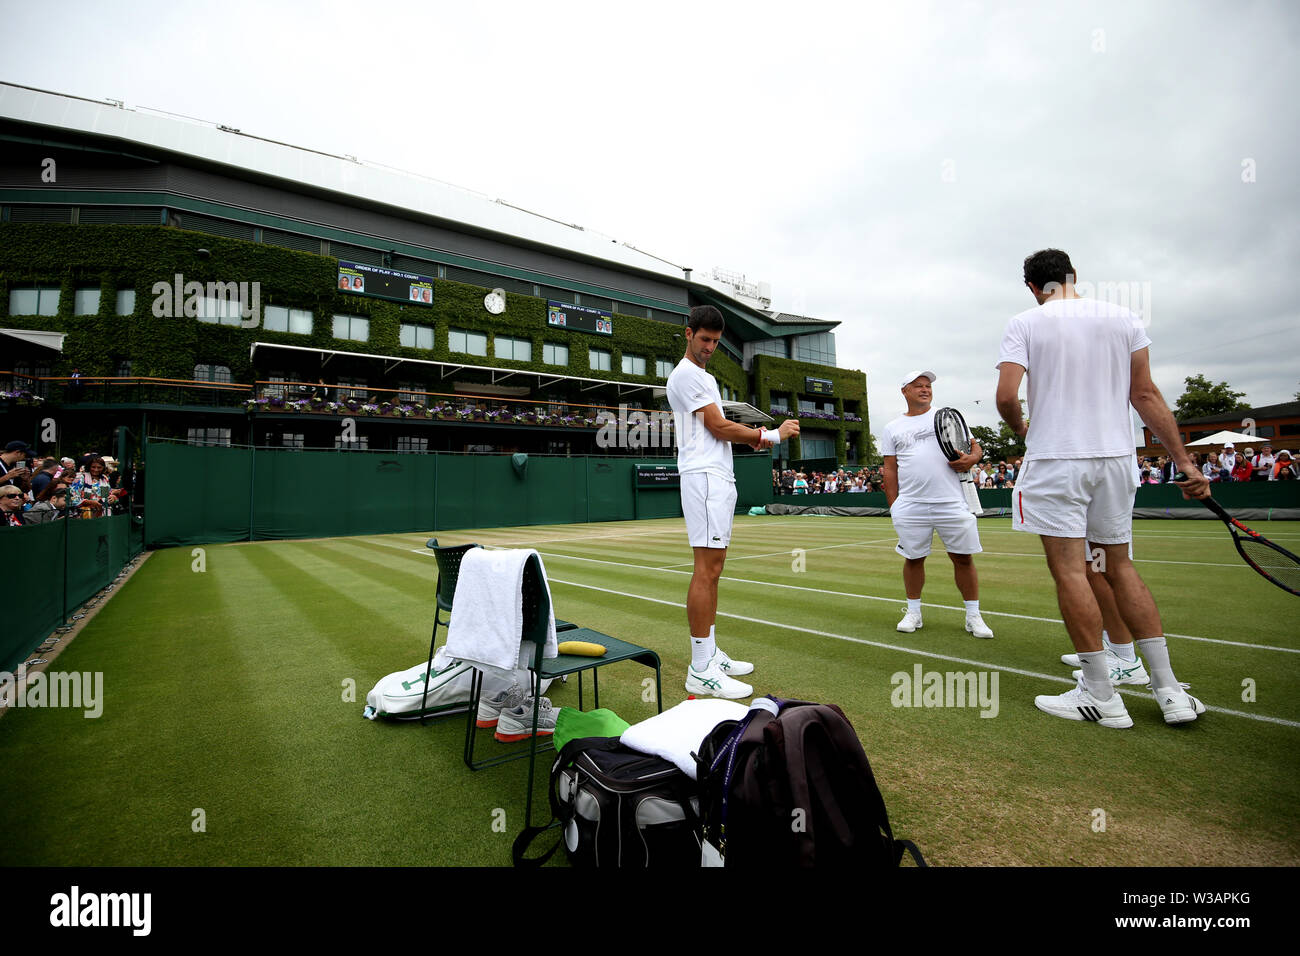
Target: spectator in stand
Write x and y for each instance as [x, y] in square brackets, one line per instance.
[1228, 459]
[13, 461]
[51, 504]
[91, 488]
[1210, 468]
[1241, 469]
[11, 506]
[1000, 478]
[1284, 469]
[800, 484]
[1167, 470]
[1262, 464]
[44, 475]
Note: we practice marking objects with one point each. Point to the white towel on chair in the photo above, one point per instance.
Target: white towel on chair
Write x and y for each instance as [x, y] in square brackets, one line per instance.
[678, 731]
[487, 615]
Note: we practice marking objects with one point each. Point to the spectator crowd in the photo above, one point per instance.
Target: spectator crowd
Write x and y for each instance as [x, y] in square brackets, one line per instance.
[1001, 474]
[35, 489]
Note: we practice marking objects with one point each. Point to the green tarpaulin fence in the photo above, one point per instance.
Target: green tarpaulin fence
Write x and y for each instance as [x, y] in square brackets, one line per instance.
[53, 568]
[200, 495]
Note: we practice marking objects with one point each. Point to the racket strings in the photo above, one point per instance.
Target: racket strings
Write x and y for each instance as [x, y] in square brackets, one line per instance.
[1283, 568]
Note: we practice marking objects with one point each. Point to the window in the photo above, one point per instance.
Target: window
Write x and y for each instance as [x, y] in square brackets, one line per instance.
[777, 347]
[781, 402]
[633, 364]
[34, 300]
[520, 350]
[818, 348]
[124, 368]
[29, 378]
[554, 354]
[358, 389]
[209, 436]
[223, 308]
[663, 368]
[600, 360]
[409, 392]
[86, 301]
[416, 336]
[410, 445]
[278, 318]
[276, 389]
[125, 301]
[212, 373]
[291, 440]
[806, 406]
[354, 327]
[463, 340]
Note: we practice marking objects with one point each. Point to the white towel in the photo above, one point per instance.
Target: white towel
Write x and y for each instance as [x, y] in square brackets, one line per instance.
[678, 731]
[487, 613]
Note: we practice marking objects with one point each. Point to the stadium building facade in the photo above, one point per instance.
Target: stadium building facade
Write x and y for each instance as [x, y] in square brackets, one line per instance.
[194, 282]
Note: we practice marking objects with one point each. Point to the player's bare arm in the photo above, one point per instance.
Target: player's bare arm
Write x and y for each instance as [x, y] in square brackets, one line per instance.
[1144, 395]
[724, 429]
[890, 470]
[1010, 375]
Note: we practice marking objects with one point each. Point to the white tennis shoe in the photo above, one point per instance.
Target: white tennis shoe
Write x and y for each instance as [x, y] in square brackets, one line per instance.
[1078, 704]
[975, 624]
[910, 623]
[1178, 706]
[732, 668]
[714, 682]
[1120, 670]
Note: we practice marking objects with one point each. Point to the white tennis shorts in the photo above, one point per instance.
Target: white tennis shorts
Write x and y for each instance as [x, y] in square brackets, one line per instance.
[917, 522]
[709, 504]
[1076, 498]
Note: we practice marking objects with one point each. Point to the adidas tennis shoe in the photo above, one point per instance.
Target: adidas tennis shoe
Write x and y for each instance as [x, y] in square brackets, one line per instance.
[975, 624]
[490, 708]
[1178, 706]
[732, 668]
[1121, 671]
[516, 723]
[714, 682]
[911, 622]
[1078, 704]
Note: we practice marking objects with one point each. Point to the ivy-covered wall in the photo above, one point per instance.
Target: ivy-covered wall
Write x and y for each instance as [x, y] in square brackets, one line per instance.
[120, 257]
[786, 377]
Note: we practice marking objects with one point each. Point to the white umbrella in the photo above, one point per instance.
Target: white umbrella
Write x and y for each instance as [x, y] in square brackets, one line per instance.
[1220, 438]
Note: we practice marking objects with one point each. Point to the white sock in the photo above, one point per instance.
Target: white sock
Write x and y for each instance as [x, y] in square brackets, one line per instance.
[972, 608]
[702, 651]
[1124, 652]
[913, 605]
[713, 628]
[1096, 675]
[1156, 654]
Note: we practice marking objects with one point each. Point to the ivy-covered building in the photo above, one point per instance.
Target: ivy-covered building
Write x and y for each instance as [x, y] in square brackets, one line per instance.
[195, 282]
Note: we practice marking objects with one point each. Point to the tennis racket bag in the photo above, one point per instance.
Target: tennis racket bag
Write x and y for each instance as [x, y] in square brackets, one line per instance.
[790, 786]
[619, 807]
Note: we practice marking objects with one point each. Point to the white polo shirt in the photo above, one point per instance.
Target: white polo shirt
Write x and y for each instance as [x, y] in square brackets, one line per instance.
[690, 388]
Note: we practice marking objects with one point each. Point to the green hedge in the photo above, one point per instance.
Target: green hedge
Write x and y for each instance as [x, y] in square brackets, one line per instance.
[118, 257]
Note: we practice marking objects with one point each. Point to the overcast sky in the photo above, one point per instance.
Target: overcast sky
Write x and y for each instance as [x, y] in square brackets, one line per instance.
[885, 165]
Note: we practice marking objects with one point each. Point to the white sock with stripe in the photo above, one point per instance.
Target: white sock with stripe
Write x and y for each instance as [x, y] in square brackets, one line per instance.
[1096, 674]
[702, 651]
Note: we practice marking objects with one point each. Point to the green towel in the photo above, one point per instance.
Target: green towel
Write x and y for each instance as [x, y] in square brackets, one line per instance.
[573, 724]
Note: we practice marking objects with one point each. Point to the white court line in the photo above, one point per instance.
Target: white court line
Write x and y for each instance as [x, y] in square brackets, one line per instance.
[1280, 536]
[912, 650]
[783, 554]
[1032, 554]
[945, 607]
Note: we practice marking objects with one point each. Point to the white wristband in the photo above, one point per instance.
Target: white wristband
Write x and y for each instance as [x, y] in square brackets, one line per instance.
[773, 435]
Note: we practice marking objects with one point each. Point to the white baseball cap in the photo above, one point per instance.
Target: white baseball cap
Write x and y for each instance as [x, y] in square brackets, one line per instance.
[1228, 444]
[912, 376]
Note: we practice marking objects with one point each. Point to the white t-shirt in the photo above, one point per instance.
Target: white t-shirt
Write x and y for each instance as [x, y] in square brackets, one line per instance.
[924, 474]
[1078, 354]
[690, 388]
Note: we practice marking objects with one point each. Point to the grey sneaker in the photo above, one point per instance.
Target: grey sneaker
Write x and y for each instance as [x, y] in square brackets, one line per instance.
[516, 723]
[490, 708]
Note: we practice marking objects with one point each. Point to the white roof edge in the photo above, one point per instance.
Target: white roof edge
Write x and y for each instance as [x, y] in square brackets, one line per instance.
[319, 170]
[52, 340]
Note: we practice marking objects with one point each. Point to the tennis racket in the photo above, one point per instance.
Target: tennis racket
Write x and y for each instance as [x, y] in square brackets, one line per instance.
[1275, 563]
[954, 441]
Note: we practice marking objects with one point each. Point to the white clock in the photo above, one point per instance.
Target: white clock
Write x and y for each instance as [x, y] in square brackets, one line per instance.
[495, 301]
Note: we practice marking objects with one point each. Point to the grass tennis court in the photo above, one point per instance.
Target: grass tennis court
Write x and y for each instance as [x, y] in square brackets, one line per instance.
[224, 693]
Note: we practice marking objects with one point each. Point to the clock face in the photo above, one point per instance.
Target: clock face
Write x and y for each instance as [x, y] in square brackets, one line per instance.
[494, 303]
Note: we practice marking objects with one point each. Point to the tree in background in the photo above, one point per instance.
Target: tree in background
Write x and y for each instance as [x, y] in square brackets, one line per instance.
[999, 445]
[1201, 398]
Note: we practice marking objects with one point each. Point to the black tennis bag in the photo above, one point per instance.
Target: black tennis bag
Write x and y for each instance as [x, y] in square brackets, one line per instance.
[622, 808]
[790, 786]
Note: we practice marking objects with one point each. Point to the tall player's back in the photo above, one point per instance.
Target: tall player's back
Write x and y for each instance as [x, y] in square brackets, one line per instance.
[1078, 359]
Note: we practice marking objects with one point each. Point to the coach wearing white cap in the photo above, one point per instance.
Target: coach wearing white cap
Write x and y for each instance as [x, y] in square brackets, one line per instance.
[925, 496]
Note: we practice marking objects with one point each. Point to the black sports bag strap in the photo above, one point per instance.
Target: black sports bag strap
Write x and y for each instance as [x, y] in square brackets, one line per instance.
[568, 753]
[912, 848]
